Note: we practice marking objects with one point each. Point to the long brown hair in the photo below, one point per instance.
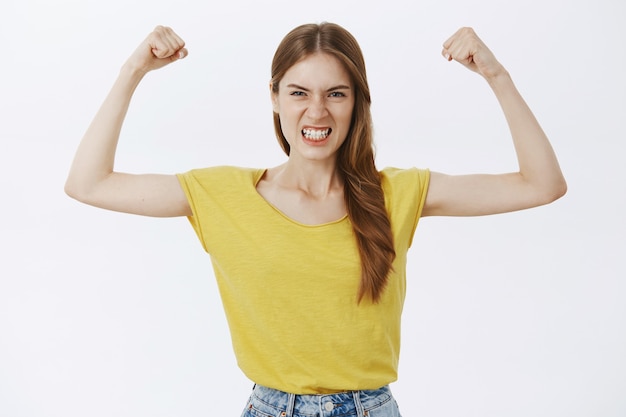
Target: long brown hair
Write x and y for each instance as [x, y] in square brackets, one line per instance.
[363, 192]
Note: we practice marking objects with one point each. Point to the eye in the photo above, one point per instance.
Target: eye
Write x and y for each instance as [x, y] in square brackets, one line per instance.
[297, 93]
[337, 94]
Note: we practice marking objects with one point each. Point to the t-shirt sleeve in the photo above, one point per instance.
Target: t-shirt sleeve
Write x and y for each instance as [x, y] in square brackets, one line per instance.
[405, 195]
[218, 196]
[192, 184]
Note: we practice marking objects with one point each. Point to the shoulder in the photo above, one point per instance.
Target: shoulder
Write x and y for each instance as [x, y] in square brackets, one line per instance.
[221, 175]
[218, 181]
[223, 171]
[405, 194]
[405, 191]
[393, 178]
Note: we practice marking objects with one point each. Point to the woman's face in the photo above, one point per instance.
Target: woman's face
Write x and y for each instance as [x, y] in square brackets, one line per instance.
[315, 100]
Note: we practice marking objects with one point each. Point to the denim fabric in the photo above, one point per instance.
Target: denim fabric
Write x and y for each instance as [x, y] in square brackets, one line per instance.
[268, 402]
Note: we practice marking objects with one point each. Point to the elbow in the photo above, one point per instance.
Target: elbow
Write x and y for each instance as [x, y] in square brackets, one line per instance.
[71, 190]
[556, 190]
[559, 188]
[75, 190]
[562, 189]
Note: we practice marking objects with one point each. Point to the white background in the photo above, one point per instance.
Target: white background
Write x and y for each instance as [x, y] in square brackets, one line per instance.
[106, 314]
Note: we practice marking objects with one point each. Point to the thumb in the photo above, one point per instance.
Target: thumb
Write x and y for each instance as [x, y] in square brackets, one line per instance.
[180, 54]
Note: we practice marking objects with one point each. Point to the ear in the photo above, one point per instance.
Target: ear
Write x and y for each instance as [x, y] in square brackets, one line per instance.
[274, 98]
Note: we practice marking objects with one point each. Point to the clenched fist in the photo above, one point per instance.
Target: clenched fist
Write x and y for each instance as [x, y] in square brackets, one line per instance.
[468, 49]
[162, 46]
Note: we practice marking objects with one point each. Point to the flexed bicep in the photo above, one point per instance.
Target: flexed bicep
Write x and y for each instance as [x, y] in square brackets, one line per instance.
[539, 179]
[92, 178]
[480, 194]
[153, 195]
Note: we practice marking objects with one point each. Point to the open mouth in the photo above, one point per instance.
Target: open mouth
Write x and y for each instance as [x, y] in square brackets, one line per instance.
[316, 134]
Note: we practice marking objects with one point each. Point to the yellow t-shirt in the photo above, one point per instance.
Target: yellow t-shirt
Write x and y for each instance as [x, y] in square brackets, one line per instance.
[290, 290]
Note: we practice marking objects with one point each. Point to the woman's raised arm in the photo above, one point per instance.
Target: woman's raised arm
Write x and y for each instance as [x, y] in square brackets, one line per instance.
[539, 179]
[92, 179]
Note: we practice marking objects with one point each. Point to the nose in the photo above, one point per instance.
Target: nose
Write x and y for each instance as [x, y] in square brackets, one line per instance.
[317, 108]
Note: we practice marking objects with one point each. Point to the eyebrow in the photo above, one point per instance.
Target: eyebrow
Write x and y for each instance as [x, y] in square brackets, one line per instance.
[337, 87]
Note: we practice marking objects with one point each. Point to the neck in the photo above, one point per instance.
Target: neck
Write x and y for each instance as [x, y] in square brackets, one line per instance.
[316, 178]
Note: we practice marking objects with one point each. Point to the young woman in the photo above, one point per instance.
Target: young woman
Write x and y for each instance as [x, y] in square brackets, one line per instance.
[310, 256]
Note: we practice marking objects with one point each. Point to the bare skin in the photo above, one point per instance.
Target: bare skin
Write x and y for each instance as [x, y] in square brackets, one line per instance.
[92, 179]
[298, 201]
[539, 179]
[313, 96]
[307, 187]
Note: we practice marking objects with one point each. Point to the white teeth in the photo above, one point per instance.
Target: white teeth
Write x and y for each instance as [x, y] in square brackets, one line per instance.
[315, 134]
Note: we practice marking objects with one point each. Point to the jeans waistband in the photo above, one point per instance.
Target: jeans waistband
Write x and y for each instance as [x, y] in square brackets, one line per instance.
[283, 404]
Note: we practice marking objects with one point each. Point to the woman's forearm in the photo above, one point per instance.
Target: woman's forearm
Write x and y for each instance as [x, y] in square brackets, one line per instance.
[95, 156]
[538, 164]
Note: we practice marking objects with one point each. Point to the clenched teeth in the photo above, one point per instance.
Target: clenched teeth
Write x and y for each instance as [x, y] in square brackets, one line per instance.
[316, 134]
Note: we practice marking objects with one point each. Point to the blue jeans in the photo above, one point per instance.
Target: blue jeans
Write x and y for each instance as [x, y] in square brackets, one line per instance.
[268, 402]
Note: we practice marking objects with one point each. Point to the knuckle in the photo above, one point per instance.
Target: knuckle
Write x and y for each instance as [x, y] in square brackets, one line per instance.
[467, 31]
[162, 30]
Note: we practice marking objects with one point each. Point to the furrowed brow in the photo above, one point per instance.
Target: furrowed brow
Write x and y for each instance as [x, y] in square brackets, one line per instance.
[335, 88]
[297, 87]
[339, 87]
